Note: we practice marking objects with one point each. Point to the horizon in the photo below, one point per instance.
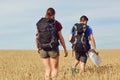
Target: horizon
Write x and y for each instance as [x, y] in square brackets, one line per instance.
[19, 18]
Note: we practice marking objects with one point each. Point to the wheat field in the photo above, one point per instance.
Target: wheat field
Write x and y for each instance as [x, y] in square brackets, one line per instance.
[27, 65]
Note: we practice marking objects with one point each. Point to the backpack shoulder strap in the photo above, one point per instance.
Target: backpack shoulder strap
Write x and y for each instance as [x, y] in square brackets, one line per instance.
[39, 21]
[75, 33]
[83, 34]
[84, 28]
[75, 29]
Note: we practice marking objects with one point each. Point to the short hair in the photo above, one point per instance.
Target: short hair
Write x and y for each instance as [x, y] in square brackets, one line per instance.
[84, 17]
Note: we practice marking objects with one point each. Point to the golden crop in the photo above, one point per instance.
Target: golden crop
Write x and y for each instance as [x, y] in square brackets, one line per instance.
[27, 65]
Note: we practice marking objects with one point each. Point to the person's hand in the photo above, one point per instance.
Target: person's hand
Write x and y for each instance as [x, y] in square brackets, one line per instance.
[66, 53]
[96, 51]
[38, 51]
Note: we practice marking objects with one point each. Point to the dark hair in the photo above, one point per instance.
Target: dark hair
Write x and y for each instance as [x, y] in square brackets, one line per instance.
[84, 17]
[50, 12]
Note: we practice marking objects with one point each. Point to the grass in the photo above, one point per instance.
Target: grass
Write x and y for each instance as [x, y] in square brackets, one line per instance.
[27, 65]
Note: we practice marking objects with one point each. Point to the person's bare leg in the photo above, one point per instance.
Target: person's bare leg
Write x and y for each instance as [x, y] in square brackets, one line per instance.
[82, 66]
[76, 63]
[46, 62]
[54, 63]
[73, 69]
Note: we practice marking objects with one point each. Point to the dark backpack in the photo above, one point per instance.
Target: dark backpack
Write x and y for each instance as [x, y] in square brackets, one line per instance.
[47, 34]
[80, 41]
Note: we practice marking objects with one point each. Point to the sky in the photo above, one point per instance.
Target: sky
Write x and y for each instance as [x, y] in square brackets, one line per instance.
[18, 20]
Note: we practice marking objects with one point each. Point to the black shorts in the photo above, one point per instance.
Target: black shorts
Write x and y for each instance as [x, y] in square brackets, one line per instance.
[81, 56]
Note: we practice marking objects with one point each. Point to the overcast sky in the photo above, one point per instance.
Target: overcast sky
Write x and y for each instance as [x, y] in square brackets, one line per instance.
[18, 20]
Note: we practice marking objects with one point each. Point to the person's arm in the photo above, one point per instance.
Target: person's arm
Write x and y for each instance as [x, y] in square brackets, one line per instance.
[91, 38]
[38, 50]
[70, 37]
[63, 43]
[93, 43]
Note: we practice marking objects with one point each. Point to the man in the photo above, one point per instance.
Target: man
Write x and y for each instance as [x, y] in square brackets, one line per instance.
[80, 56]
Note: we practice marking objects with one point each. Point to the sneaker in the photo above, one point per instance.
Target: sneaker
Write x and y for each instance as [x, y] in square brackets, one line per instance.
[73, 70]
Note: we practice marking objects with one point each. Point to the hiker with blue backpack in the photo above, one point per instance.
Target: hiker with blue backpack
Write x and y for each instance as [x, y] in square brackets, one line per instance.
[80, 36]
[47, 41]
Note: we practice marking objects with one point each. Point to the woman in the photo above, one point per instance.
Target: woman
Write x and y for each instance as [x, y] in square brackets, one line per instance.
[50, 58]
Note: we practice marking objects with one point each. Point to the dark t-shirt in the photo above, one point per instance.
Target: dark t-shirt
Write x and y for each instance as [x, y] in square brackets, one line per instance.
[59, 27]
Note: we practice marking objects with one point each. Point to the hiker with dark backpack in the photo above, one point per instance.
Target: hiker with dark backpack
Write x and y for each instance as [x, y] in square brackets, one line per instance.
[80, 36]
[47, 40]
